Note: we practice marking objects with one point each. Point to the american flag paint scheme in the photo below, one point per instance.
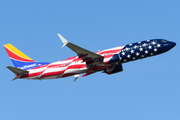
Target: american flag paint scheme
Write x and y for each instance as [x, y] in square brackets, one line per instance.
[86, 62]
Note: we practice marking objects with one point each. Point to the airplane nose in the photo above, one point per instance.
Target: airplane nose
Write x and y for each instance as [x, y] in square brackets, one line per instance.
[172, 44]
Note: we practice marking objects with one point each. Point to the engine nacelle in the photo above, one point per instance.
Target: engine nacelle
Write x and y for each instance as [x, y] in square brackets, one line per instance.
[117, 68]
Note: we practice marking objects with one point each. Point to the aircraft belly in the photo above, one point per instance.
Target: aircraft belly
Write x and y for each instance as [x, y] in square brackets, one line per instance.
[51, 77]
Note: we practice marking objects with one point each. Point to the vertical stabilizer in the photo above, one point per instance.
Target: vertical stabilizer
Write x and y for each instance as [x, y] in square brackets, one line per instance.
[20, 60]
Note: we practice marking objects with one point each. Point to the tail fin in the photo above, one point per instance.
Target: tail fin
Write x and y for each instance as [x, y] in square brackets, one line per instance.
[19, 59]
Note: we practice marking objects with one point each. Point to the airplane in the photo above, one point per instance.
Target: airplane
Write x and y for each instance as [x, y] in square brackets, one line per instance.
[108, 61]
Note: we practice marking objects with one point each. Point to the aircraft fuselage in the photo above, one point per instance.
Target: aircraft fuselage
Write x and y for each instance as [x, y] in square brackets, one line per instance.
[111, 58]
[108, 61]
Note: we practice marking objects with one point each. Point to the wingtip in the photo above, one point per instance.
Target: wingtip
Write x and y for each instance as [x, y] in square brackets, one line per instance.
[62, 38]
[15, 78]
[76, 77]
[58, 35]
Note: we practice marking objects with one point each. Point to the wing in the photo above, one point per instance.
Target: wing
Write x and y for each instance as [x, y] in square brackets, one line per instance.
[86, 55]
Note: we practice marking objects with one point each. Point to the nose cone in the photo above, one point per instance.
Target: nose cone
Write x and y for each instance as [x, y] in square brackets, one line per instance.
[172, 44]
[166, 45]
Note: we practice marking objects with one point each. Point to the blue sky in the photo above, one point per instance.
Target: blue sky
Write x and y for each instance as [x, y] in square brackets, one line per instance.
[146, 89]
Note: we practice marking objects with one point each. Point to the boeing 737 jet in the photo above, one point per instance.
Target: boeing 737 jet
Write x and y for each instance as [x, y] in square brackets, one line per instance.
[86, 62]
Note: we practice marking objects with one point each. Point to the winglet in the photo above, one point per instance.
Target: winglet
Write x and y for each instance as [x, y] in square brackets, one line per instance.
[76, 77]
[63, 39]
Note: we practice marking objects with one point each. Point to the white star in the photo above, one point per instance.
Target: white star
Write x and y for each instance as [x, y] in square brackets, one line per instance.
[159, 45]
[151, 54]
[120, 58]
[148, 40]
[139, 42]
[133, 58]
[124, 60]
[132, 51]
[127, 49]
[123, 53]
[153, 42]
[142, 56]
[137, 53]
[130, 44]
[146, 51]
[150, 47]
[135, 46]
[155, 49]
[144, 44]
[128, 56]
[141, 49]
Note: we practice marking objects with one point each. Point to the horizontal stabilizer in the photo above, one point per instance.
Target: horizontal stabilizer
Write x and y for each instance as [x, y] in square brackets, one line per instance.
[17, 71]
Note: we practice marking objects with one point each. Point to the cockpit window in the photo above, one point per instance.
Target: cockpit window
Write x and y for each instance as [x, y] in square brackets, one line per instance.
[163, 40]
